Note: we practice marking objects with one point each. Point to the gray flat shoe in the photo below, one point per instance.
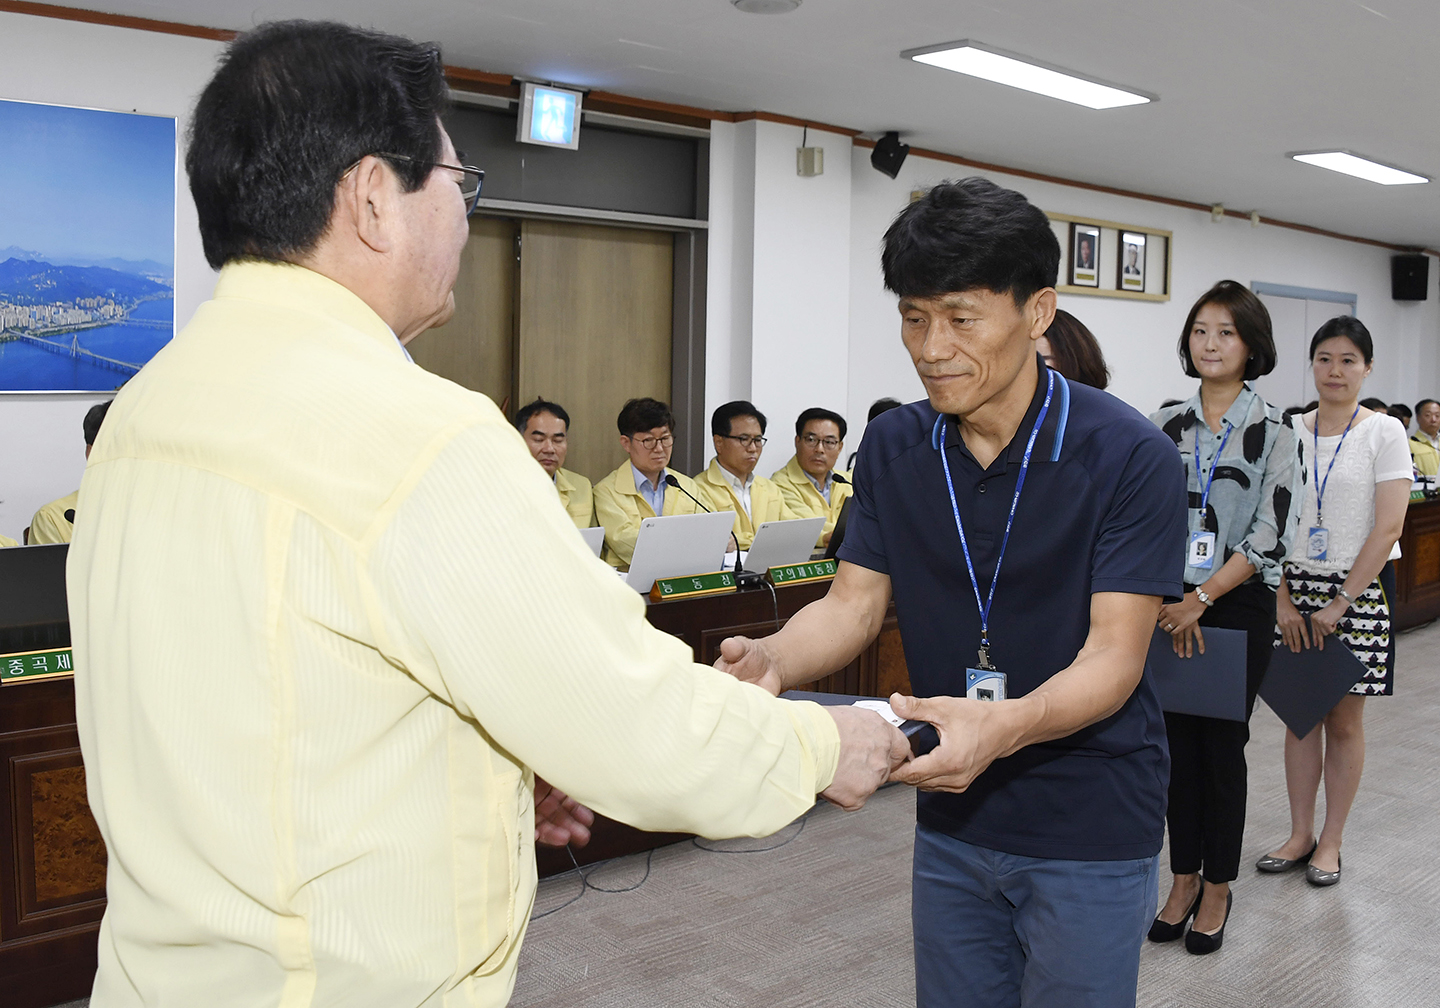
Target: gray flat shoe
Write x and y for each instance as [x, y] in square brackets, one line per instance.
[1316, 877]
[1276, 865]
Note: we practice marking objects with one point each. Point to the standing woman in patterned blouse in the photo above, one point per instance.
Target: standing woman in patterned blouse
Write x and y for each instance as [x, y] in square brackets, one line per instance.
[1351, 516]
[1245, 473]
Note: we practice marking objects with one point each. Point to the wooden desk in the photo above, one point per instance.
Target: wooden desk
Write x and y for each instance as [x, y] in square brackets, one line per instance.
[1417, 572]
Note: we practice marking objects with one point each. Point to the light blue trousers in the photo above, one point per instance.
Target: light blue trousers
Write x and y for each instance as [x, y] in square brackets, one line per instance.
[996, 930]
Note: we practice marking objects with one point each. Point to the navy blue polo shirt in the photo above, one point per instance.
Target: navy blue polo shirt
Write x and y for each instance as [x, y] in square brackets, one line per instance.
[1103, 510]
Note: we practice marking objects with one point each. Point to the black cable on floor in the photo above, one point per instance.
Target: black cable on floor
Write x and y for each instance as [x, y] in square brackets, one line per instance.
[755, 850]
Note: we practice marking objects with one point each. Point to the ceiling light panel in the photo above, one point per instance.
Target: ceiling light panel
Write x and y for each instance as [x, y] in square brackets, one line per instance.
[1349, 163]
[1014, 70]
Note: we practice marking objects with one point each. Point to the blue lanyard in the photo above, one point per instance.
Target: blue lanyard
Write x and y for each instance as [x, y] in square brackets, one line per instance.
[984, 607]
[1320, 487]
[1205, 495]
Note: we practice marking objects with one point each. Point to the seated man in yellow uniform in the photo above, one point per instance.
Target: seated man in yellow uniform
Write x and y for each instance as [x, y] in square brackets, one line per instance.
[545, 426]
[1425, 442]
[638, 489]
[55, 522]
[809, 482]
[738, 431]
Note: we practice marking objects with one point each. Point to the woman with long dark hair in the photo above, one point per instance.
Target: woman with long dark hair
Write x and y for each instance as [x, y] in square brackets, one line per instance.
[1339, 583]
[1244, 466]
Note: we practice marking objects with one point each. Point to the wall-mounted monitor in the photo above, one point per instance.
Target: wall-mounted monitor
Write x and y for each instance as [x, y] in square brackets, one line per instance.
[549, 116]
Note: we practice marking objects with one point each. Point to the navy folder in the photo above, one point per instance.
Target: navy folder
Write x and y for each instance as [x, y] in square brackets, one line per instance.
[1210, 684]
[1302, 688]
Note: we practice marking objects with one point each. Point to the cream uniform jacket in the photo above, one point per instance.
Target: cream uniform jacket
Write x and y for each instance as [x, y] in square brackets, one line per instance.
[314, 595]
[766, 503]
[50, 524]
[802, 497]
[620, 508]
[576, 496]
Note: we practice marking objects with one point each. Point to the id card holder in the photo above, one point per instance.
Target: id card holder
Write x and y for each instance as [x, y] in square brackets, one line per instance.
[1202, 550]
[984, 684]
[1317, 544]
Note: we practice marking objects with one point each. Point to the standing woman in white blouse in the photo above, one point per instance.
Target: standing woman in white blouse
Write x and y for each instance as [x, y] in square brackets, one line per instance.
[1352, 514]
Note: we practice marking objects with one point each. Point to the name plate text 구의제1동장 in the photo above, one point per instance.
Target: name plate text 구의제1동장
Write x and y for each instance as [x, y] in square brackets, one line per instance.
[816, 570]
[28, 666]
[692, 586]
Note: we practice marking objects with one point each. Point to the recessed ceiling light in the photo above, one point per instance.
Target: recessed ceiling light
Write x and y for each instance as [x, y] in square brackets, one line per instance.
[1348, 163]
[766, 6]
[987, 63]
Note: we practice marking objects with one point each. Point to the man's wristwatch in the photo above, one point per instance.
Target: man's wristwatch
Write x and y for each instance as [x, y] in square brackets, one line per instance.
[1200, 594]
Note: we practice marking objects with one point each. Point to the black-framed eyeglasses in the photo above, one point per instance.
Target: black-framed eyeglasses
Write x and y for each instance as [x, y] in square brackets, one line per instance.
[747, 440]
[812, 440]
[470, 182]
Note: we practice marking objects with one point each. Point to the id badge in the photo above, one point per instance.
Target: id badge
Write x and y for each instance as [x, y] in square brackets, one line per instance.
[1202, 549]
[984, 684]
[1317, 544]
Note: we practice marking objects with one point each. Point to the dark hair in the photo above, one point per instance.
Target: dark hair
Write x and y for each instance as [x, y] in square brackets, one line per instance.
[1421, 405]
[819, 413]
[94, 417]
[1375, 404]
[720, 419]
[292, 106]
[969, 235]
[1076, 352]
[522, 418]
[1352, 329]
[644, 415]
[1252, 323]
[1399, 409]
[882, 406]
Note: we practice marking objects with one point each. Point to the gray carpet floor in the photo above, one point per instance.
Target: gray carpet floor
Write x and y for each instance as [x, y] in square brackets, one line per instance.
[824, 920]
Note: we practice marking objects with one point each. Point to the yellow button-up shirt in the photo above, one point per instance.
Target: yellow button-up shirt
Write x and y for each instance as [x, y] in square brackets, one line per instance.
[1424, 455]
[576, 496]
[620, 507]
[806, 501]
[50, 524]
[766, 504]
[328, 614]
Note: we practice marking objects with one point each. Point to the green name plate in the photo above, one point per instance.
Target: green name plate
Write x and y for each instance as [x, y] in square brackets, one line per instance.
[28, 666]
[692, 585]
[1417, 495]
[817, 570]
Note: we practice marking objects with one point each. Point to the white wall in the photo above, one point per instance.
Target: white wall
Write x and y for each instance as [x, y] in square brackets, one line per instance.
[1139, 337]
[42, 451]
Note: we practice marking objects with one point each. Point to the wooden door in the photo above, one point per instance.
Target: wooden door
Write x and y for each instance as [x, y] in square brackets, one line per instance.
[594, 328]
[476, 347]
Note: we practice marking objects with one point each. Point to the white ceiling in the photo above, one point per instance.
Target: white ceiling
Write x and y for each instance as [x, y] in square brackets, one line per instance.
[1241, 82]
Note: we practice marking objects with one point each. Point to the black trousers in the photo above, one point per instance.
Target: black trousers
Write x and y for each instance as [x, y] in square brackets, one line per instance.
[1207, 755]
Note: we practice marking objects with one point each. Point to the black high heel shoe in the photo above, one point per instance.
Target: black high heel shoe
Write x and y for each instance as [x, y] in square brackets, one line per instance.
[1198, 943]
[1164, 931]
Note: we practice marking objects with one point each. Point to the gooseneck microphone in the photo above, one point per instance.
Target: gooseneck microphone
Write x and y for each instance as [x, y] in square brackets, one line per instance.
[838, 478]
[671, 481]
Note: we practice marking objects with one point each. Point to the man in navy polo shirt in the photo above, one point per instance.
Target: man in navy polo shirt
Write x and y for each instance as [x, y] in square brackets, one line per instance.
[1028, 529]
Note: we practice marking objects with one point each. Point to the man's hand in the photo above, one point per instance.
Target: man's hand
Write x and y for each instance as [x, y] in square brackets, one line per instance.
[560, 819]
[751, 661]
[973, 734]
[871, 748]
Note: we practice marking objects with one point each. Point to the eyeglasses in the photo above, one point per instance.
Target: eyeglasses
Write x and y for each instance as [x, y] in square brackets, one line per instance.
[748, 440]
[830, 443]
[651, 443]
[470, 181]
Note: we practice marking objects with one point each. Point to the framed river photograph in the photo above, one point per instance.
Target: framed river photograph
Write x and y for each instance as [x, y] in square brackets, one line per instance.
[1131, 274]
[1084, 255]
[87, 245]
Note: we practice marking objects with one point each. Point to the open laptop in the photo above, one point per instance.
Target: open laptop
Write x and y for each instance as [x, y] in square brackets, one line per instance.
[594, 538]
[675, 545]
[33, 612]
[778, 543]
[838, 535]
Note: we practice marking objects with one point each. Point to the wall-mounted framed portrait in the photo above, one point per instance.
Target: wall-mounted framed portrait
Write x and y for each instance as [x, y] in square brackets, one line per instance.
[1084, 255]
[1131, 261]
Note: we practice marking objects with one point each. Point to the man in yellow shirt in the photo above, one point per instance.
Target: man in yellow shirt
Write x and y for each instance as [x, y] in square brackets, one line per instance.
[545, 426]
[1425, 442]
[639, 488]
[55, 522]
[313, 592]
[737, 430]
[809, 482]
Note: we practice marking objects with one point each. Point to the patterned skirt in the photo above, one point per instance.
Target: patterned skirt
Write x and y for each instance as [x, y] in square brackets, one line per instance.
[1365, 627]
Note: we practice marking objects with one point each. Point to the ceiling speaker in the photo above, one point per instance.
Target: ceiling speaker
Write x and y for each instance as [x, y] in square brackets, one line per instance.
[889, 154]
